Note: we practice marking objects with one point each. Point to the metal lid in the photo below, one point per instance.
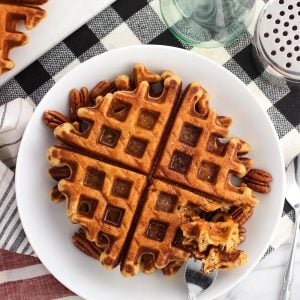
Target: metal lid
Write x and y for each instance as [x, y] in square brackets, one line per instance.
[277, 38]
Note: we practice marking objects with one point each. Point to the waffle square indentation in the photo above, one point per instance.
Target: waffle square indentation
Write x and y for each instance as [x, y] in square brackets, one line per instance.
[136, 147]
[166, 202]
[109, 136]
[94, 178]
[190, 134]
[180, 162]
[147, 119]
[121, 188]
[113, 215]
[87, 206]
[156, 230]
[119, 110]
[208, 171]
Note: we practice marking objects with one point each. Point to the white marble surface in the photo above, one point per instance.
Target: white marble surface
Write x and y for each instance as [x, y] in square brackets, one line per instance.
[265, 281]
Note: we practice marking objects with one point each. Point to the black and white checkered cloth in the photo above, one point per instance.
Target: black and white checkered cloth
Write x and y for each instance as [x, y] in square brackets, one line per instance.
[132, 22]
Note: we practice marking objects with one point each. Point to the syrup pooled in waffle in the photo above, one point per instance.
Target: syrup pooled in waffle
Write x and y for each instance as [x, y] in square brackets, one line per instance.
[126, 126]
[100, 197]
[195, 157]
[10, 16]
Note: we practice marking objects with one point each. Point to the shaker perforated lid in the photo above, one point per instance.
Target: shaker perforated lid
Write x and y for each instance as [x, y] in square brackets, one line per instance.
[277, 38]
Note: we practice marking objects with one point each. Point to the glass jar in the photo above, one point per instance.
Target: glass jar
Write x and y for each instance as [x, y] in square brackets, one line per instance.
[207, 23]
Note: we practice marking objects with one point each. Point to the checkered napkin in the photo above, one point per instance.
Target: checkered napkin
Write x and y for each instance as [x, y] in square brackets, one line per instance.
[132, 22]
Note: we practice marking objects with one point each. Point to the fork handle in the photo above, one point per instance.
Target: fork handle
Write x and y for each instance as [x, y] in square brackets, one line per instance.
[288, 275]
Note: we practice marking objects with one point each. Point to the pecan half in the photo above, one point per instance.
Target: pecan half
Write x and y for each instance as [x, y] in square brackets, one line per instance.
[259, 175]
[77, 99]
[58, 173]
[241, 215]
[102, 88]
[84, 245]
[258, 180]
[259, 188]
[53, 118]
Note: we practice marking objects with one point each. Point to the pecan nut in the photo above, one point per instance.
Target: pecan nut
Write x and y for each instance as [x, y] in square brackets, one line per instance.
[53, 118]
[259, 175]
[102, 88]
[258, 180]
[84, 245]
[259, 188]
[58, 173]
[77, 99]
[241, 215]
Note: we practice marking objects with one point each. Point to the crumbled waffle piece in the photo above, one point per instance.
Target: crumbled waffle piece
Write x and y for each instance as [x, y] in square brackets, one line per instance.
[217, 259]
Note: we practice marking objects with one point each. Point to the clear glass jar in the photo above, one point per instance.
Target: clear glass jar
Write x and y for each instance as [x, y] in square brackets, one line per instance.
[207, 23]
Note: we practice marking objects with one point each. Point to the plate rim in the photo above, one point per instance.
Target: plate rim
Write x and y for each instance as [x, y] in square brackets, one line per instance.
[196, 56]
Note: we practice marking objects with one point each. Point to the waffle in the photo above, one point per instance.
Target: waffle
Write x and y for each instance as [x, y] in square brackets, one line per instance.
[195, 157]
[179, 160]
[126, 126]
[10, 16]
[158, 232]
[100, 197]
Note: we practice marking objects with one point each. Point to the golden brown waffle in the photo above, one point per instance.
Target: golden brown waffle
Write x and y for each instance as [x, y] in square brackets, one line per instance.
[10, 16]
[217, 259]
[195, 157]
[158, 231]
[100, 197]
[189, 207]
[126, 126]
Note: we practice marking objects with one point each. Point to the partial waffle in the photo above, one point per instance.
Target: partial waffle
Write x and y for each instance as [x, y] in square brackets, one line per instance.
[100, 197]
[126, 126]
[196, 157]
[157, 234]
[10, 16]
[81, 242]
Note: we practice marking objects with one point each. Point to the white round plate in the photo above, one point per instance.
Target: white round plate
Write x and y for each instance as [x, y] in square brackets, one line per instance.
[46, 224]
